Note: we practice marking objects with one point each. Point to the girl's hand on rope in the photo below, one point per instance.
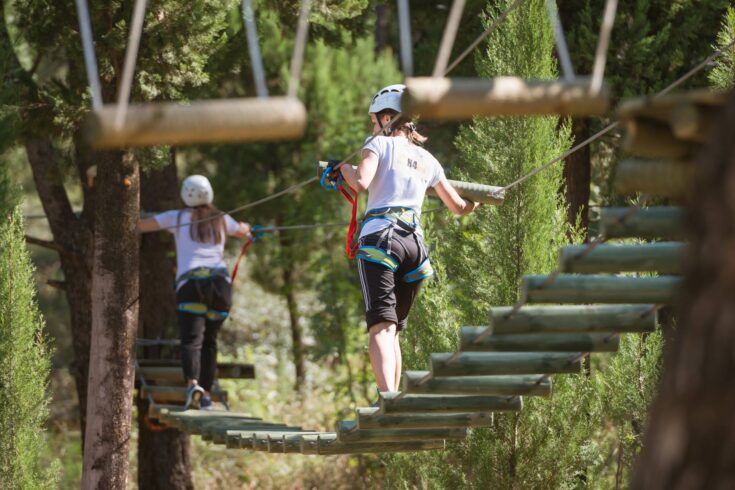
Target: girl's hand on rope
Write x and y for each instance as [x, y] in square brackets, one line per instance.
[245, 230]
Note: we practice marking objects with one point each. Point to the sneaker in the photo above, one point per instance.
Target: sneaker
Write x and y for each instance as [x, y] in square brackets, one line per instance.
[193, 397]
[206, 403]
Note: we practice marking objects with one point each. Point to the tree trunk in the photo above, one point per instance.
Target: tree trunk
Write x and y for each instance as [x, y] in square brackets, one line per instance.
[577, 173]
[114, 323]
[75, 235]
[690, 440]
[297, 343]
[164, 457]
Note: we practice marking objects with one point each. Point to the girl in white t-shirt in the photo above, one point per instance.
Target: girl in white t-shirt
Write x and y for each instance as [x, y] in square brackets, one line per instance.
[392, 257]
[203, 289]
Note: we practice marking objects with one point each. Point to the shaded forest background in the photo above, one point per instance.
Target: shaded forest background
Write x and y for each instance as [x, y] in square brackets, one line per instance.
[298, 312]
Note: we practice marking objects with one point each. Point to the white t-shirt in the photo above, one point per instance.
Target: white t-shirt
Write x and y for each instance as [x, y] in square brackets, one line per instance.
[404, 173]
[190, 254]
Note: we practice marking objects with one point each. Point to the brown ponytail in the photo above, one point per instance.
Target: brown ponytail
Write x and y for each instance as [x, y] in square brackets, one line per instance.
[402, 125]
[208, 224]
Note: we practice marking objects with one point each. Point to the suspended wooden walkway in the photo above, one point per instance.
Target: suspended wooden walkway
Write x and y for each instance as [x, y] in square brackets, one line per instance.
[581, 308]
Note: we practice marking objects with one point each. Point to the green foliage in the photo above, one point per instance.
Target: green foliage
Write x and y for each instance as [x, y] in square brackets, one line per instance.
[723, 74]
[26, 362]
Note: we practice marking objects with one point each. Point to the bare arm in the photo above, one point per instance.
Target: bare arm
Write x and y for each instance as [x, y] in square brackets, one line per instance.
[452, 200]
[146, 225]
[360, 178]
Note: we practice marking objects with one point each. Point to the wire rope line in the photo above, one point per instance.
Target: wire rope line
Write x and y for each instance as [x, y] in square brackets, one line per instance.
[131, 55]
[447, 42]
[297, 59]
[603, 42]
[561, 42]
[256, 59]
[404, 28]
[615, 124]
[90, 60]
[482, 36]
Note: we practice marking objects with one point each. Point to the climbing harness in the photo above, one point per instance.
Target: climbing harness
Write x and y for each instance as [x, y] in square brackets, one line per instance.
[405, 218]
[256, 232]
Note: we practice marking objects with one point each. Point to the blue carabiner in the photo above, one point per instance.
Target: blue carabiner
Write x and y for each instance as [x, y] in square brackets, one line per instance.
[326, 181]
[256, 232]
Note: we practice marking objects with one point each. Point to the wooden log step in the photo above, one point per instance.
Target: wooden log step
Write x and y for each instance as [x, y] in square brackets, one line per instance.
[464, 98]
[326, 446]
[651, 139]
[176, 394]
[534, 385]
[174, 376]
[371, 418]
[674, 179]
[397, 402]
[571, 288]
[486, 194]
[492, 363]
[573, 319]
[211, 430]
[661, 257]
[693, 122]
[210, 121]
[660, 108]
[347, 431]
[247, 439]
[225, 370]
[664, 222]
[556, 342]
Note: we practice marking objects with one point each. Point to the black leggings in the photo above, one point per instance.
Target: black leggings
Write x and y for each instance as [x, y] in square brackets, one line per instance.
[203, 305]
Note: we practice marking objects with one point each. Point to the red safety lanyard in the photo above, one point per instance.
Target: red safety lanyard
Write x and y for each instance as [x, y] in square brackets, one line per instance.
[244, 249]
[350, 247]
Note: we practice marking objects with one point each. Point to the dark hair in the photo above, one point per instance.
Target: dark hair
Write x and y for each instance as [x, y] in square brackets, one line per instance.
[402, 125]
[207, 224]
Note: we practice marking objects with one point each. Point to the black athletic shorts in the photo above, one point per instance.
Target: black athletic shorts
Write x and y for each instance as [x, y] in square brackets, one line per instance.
[388, 297]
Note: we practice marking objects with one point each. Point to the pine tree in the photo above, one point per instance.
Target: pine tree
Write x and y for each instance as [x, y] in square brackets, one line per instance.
[723, 74]
[25, 355]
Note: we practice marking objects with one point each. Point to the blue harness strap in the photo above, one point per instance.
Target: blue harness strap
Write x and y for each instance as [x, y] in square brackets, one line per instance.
[377, 255]
[201, 309]
[423, 271]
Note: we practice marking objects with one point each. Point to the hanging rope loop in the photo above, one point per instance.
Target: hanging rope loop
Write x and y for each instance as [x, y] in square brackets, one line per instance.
[351, 197]
[256, 232]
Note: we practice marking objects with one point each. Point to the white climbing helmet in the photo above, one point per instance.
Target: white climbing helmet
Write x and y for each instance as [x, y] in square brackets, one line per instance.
[387, 98]
[196, 191]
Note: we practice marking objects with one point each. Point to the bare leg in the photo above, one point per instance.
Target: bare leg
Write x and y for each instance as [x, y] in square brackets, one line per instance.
[398, 361]
[381, 347]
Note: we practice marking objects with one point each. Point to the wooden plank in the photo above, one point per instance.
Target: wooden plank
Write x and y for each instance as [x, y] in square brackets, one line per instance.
[414, 382]
[211, 429]
[673, 179]
[347, 431]
[210, 121]
[493, 363]
[571, 288]
[652, 139]
[661, 257]
[371, 418]
[171, 375]
[164, 394]
[556, 342]
[404, 403]
[573, 319]
[234, 370]
[464, 98]
[665, 222]
[337, 447]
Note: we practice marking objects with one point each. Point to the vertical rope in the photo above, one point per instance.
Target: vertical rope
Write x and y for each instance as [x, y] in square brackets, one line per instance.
[561, 42]
[131, 55]
[256, 59]
[297, 60]
[598, 71]
[404, 25]
[450, 33]
[90, 60]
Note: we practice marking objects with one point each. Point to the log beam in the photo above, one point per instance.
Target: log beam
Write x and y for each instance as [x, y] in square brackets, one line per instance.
[396, 402]
[665, 222]
[371, 418]
[211, 121]
[464, 98]
[674, 179]
[413, 382]
[537, 342]
[494, 363]
[661, 257]
[571, 288]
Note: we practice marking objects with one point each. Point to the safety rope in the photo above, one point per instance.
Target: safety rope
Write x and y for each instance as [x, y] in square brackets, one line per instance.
[297, 60]
[256, 60]
[256, 233]
[603, 41]
[131, 55]
[404, 27]
[90, 59]
[562, 50]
